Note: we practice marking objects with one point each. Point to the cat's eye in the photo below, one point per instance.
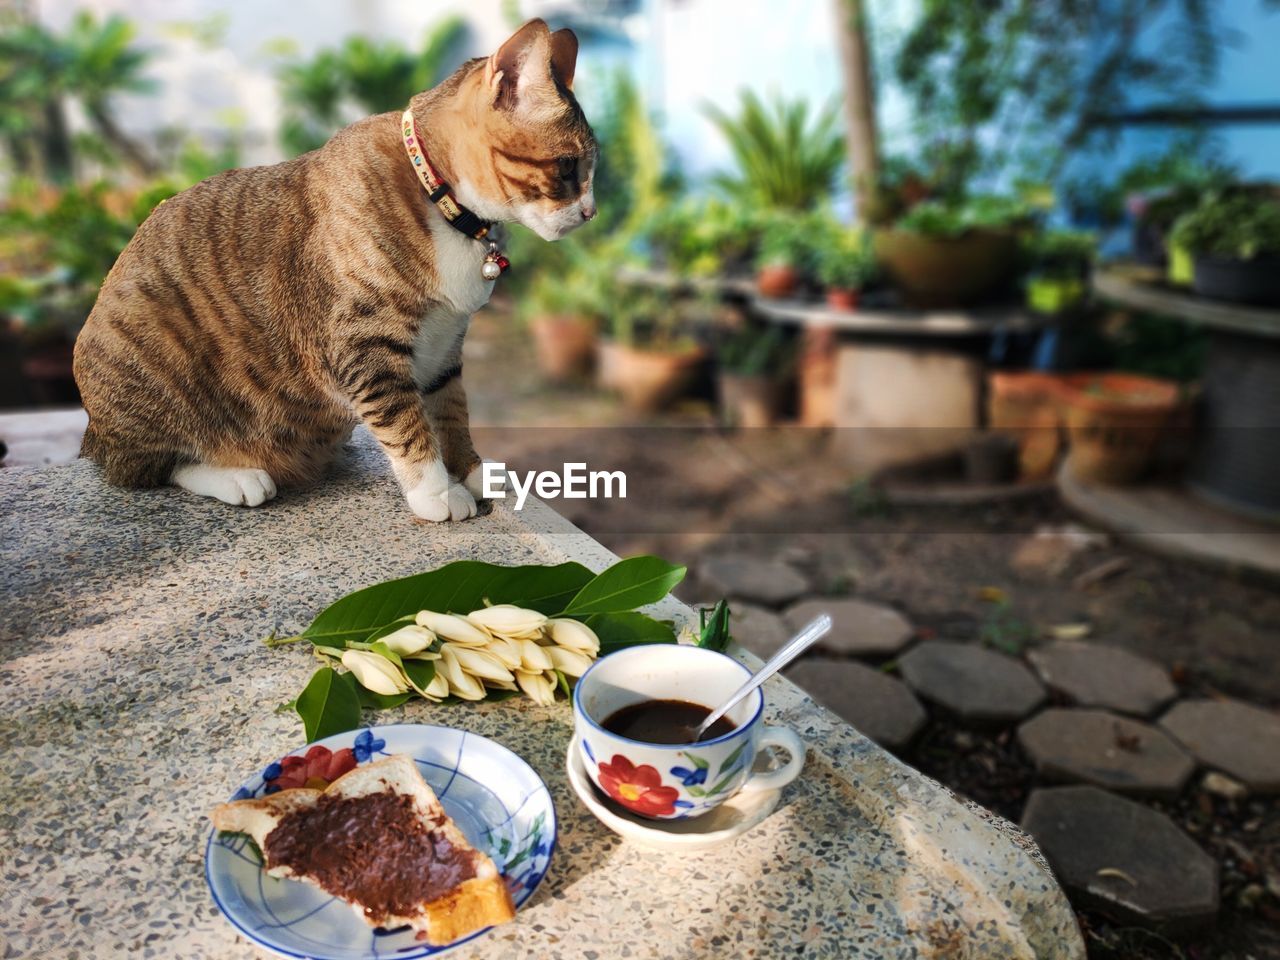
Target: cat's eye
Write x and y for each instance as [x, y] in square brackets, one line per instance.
[567, 168]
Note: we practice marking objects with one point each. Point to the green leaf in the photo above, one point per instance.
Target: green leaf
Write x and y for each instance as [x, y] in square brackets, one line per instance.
[695, 791]
[287, 707]
[724, 782]
[697, 761]
[458, 587]
[731, 760]
[619, 630]
[715, 629]
[379, 701]
[626, 585]
[563, 682]
[329, 704]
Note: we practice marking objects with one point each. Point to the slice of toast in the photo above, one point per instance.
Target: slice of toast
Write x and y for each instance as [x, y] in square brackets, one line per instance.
[378, 838]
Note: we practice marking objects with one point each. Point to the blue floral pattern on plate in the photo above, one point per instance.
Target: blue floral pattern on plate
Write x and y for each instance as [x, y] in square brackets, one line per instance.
[494, 797]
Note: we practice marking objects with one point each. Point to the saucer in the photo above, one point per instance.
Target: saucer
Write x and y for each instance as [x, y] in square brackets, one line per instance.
[724, 824]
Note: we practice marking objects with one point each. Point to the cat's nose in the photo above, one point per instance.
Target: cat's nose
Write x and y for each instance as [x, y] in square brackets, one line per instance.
[588, 208]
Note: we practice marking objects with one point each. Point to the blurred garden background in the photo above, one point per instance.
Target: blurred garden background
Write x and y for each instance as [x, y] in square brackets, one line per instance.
[964, 312]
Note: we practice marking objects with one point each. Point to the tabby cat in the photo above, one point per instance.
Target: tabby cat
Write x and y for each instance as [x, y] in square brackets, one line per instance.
[254, 317]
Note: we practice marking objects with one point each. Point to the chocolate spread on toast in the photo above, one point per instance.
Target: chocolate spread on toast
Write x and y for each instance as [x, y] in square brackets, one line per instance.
[374, 851]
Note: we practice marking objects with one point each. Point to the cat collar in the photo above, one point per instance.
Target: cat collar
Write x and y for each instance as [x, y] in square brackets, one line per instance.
[439, 193]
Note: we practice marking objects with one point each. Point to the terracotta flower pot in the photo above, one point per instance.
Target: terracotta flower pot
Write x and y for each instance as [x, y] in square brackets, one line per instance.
[777, 280]
[1025, 405]
[936, 271]
[565, 346]
[748, 401]
[1115, 422]
[647, 379]
[839, 298]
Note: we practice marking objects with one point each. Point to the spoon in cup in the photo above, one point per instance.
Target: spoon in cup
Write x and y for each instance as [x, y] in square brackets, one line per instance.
[818, 628]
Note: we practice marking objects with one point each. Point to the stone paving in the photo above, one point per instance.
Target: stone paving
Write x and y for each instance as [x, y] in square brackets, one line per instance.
[769, 583]
[878, 705]
[1234, 737]
[1106, 750]
[1095, 675]
[974, 683]
[1123, 857]
[859, 628]
[1098, 717]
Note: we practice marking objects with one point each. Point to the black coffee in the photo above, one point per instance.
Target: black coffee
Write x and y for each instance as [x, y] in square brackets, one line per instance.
[665, 721]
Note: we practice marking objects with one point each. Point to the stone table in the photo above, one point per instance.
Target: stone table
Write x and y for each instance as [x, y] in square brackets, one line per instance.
[138, 693]
[899, 384]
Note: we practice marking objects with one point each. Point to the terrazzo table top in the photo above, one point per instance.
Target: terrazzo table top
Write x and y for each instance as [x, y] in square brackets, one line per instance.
[137, 694]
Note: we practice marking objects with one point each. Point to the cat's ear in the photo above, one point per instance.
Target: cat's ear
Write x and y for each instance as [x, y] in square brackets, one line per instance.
[564, 56]
[521, 65]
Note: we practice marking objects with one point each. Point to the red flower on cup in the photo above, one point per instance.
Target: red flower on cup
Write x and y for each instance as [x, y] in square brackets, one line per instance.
[637, 788]
[318, 768]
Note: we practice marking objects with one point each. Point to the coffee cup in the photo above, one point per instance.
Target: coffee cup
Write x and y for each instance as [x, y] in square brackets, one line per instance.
[672, 781]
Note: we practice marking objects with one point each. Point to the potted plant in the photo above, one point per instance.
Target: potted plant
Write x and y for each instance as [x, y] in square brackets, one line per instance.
[845, 266]
[952, 253]
[1060, 261]
[1114, 422]
[648, 357]
[562, 313]
[1234, 241]
[783, 255]
[752, 363]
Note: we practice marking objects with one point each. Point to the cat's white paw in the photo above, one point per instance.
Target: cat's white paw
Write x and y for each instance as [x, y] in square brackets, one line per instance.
[475, 480]
[238, 486]
[437, 498]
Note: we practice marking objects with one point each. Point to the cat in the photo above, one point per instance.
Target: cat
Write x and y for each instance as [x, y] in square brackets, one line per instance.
[254, 318]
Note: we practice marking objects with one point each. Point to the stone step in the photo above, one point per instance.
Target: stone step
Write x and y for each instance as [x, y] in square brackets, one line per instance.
[1237, 738]
[769, 583]
[1097, 675]
[976, 684]
[1106, 750]
[859, 628]
[1123, 858]
[878, 705]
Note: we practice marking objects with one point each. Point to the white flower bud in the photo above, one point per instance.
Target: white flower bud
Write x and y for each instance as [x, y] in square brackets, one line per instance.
[536, 685]
[408, 640]
[461, 683]
[438, 688]
[569, 662]
[453, 628]
[534, 658]
[507, 651]
[479, 663]
[574, 635]
[374, 672]
[507, 619]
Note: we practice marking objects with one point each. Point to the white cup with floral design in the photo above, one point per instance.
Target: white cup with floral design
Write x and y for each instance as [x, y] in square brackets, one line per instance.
[675, 781]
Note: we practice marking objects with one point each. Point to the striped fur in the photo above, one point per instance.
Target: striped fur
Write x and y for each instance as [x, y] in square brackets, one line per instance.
[254, 317]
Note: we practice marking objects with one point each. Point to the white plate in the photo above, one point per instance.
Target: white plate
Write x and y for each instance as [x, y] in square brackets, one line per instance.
[493, 796]
[725, 823]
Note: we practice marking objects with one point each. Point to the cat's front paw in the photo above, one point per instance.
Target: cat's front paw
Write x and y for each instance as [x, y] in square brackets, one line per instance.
[429, 502]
